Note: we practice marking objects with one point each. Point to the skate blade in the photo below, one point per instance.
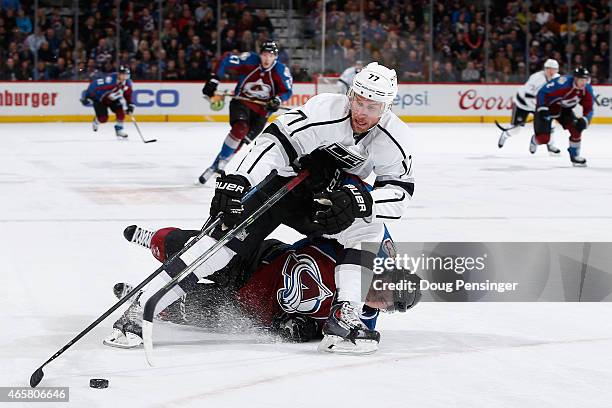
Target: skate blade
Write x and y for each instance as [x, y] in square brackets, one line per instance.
[125, 341]
[554, 154]
[338, 345]
[122, 137]
[579, 164]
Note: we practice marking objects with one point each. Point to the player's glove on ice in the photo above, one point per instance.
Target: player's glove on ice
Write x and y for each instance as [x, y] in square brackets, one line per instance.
[273, 104]
[339, 209]
[229, 190]
[581, 123]
[211, 86]
[130, 109]
[295, 327]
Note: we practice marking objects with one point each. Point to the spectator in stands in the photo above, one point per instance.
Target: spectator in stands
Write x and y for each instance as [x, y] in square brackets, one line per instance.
[35, 40]
[412, 68]
[263, 23]
[23, 22]
[470, 74]
[10, 71]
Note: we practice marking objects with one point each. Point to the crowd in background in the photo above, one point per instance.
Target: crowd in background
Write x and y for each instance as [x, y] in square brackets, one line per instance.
[398, 34]
[184, 44]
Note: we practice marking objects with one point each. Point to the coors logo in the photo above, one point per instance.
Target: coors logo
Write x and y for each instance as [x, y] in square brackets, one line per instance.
[471, 100]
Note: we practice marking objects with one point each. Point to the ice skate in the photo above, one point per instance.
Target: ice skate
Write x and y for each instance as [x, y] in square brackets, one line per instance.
[574, 152]
[95, 125]
[215, 169]
[502, 139]
[533, 145]
[121, 134]
[127, 331]
[345, 333]
[553, 150]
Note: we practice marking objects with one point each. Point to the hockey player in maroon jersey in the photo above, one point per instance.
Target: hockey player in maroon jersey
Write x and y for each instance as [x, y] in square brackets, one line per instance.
[287, 289]
[556, 100]
[112, 92]
[260, 77]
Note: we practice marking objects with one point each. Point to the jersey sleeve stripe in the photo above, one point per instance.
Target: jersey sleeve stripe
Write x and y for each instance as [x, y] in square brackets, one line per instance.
[389, 217]
[276, 134]
[406, 185]
[391, 200]
[329, 122]
[259, 158]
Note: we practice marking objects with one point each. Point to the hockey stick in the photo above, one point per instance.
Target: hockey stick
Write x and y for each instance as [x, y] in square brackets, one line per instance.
[139, 132]
[503, 129]
[245, 99]
[38, 375]
[149, 308]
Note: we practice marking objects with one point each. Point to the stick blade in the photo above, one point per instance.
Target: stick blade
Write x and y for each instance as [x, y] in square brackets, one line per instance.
[36, 377]
[147, 339]
[151, 141]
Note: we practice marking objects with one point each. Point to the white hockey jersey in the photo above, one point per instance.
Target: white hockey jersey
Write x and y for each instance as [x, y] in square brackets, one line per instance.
[525, 98]
[324, 123]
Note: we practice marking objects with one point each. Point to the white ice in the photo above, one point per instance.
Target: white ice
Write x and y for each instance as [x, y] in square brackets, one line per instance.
[67, 194]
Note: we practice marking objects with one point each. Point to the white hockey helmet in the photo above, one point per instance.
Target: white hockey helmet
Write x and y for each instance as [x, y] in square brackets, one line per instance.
[376, 82]
[551, 63]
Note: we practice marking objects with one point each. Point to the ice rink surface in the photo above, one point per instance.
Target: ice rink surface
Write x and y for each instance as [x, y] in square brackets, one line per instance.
[67, 194]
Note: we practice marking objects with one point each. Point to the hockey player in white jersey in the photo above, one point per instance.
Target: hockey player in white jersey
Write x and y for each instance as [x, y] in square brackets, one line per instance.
[345, 81]
[356, 132]
[525, 102]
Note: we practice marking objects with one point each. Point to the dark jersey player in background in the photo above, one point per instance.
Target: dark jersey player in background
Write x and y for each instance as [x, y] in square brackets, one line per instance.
[556, 100]
[112, 92]
[260, 77]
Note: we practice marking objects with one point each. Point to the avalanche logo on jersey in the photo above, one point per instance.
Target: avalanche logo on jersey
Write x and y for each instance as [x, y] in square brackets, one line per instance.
[258, 89]
[303, 290]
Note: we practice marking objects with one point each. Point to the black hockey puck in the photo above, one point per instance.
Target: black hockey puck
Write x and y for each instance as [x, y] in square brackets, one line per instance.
[98, 383]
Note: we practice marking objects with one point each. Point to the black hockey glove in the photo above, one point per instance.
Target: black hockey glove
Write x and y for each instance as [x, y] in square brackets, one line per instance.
[295, 327]
[86, 100]
[211, 86]
[339, 209]
[229, 190]
[581, 123]
[130, 109]
[273, 104]
[324, 172]
[543, 113]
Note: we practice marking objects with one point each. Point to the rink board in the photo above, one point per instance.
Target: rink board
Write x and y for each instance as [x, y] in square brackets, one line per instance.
[183, 102]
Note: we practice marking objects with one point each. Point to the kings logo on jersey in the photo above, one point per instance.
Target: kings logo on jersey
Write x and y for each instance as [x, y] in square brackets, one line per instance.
[303, 289]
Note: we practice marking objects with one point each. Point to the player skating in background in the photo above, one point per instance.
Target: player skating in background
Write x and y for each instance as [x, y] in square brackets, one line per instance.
[524, 102]
[345, 81]
[356, 132]
[262, 78]
[287, 289]
[112, 92]
[556, 100]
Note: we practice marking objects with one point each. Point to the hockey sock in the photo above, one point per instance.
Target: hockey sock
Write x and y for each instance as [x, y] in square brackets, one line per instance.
[542, 138]
[574, 148]
[216, 262]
